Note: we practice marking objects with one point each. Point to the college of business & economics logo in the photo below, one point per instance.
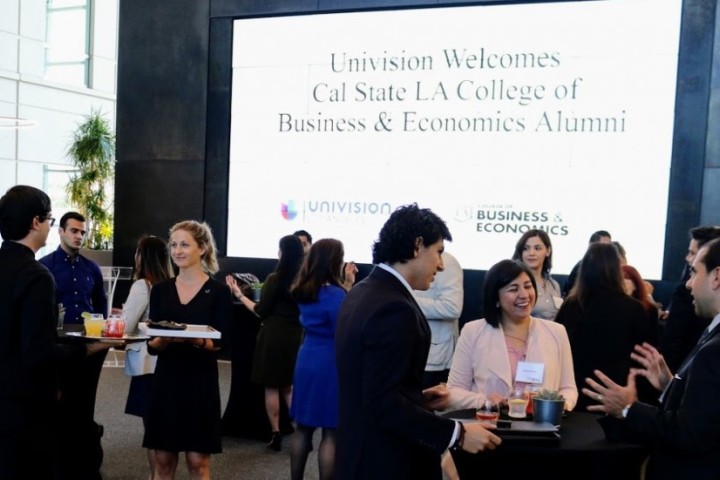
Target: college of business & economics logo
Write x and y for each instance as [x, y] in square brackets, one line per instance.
[288, 210]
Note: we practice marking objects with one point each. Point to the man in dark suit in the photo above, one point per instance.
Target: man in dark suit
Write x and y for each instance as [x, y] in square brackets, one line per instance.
[682, 326]
[29, 352]
[386, 427]
[684, 431]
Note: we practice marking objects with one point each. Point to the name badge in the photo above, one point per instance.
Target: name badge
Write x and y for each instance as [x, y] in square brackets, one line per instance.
[529, 372]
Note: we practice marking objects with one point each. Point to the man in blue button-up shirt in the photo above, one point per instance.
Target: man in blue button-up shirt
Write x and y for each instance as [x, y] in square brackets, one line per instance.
[79, 280]
[80, 289]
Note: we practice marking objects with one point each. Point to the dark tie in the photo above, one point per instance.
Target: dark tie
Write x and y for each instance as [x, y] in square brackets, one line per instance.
[705, 336]
[686, 363]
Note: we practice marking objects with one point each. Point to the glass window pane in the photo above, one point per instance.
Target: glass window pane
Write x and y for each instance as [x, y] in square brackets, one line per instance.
[72, 74]
[67, 36]
[66, 3]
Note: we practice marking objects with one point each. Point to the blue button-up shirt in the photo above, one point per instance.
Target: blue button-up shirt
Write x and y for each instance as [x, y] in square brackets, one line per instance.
[79, 284]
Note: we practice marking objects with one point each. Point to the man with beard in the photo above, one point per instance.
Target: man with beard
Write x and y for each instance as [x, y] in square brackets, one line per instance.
[684, 431]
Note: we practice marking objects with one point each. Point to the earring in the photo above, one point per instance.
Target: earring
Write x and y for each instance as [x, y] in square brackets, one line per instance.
[497, 304]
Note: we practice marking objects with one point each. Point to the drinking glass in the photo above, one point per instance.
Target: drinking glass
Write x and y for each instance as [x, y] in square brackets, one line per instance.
[518, 402]
[533, 390]
[115, 326]
[94, 325]
[488, 414]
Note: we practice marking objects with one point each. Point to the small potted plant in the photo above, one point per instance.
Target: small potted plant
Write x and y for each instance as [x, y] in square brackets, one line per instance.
[548, 406]
[257, 288]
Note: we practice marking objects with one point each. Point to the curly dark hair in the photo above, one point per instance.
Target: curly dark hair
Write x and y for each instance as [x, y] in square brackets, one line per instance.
[406, 224]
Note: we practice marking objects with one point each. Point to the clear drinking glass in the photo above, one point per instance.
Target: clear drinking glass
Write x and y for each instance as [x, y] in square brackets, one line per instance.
[488, 414]
[518, 402]
[115, 326]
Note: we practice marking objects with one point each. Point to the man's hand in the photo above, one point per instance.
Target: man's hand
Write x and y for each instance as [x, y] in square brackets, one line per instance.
[611, 397]
[437, 397]
[478, 438]
[656, 370]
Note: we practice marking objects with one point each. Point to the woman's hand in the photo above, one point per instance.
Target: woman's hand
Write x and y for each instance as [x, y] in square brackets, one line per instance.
[349, 271]
[234, 288]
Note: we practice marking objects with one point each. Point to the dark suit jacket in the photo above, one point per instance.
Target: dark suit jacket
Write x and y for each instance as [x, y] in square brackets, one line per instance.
[382, 343]
[682, 327]
[685, 430]
[28, 355]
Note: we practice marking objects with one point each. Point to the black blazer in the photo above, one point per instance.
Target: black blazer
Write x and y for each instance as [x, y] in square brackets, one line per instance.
[382, 343]
[685, 430]
[602, 335]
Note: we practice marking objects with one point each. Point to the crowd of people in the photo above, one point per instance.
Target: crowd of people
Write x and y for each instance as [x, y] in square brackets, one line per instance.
[370, 364]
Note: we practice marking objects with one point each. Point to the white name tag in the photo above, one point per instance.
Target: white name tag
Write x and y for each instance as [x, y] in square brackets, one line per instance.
[530, 372]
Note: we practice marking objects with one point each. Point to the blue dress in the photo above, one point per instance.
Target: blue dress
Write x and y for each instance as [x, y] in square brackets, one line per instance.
[315, 387]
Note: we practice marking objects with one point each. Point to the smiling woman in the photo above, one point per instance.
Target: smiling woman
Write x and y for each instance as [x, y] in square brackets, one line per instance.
[534, 249]
[184, 408]
[495, 353]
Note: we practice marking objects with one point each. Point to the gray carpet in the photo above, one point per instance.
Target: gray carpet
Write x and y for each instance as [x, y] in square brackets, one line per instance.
[125, 458]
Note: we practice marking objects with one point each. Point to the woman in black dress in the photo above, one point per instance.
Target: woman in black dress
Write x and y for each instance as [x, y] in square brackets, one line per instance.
[184, 412]
[280, 334]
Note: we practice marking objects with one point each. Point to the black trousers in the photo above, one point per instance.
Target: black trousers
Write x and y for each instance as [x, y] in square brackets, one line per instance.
[78, 386]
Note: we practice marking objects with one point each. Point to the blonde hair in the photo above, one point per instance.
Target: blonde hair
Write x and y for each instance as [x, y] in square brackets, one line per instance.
[202, 234]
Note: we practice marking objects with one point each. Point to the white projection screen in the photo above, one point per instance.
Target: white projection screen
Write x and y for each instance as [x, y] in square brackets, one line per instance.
[556, 116]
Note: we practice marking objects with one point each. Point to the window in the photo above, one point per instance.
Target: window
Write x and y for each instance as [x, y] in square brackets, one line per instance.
[67, 47]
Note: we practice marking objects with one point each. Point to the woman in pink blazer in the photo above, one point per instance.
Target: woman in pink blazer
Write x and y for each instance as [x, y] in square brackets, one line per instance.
[490, 350]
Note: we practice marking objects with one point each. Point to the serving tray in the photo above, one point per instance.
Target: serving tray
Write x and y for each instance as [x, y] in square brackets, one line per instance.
[192, 331]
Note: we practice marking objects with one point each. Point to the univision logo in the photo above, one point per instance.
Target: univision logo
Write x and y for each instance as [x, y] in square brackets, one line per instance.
[288, 210]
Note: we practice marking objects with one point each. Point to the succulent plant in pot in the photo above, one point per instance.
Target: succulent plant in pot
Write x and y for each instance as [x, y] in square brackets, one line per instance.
[546, 394]
[548, 406]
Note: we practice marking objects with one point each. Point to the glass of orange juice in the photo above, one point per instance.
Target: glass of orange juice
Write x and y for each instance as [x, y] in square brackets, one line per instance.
[94, 325]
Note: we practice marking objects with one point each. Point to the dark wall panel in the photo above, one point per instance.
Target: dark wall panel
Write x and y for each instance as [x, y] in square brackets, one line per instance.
[162, 79]
[161, 118]
[151, 196]
[234, 8]
[691, 126]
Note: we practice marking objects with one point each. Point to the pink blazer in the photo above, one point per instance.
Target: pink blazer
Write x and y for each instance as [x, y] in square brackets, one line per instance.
[481, 365]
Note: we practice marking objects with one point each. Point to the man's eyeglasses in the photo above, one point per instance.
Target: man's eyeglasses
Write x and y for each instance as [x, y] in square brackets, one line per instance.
[50, 219]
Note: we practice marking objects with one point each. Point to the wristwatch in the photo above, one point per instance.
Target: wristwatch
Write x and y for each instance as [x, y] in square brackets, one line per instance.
[459, 440]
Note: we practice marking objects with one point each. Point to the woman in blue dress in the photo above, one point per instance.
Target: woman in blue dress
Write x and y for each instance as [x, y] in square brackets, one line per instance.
[319, 289]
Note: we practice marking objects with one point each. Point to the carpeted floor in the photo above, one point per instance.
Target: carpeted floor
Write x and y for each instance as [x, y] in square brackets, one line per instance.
[125, 459]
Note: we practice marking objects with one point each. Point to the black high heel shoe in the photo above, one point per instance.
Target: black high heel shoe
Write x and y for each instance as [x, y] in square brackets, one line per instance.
[275, 442]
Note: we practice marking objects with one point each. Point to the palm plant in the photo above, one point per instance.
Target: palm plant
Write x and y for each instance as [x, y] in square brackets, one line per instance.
[92, 151]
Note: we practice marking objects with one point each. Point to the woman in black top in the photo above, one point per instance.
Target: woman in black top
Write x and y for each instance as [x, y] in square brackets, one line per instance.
[280, 333]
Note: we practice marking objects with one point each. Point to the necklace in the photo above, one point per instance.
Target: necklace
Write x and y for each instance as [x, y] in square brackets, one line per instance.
[524, 340]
